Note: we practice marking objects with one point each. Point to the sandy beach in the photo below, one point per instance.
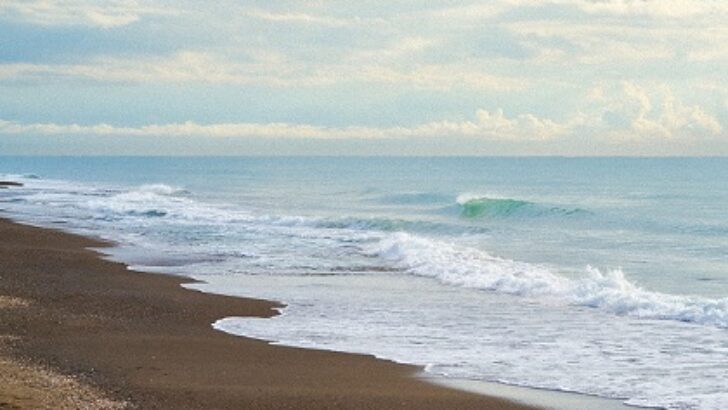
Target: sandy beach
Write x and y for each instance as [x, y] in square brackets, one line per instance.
[77, 331]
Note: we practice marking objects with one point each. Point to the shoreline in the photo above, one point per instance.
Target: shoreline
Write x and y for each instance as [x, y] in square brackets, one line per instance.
[141, 340]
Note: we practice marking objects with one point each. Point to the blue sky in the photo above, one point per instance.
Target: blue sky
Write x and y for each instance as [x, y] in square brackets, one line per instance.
[503, 77]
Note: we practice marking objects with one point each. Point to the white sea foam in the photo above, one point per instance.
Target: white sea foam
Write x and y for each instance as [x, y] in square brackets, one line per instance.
[611, 291]
[466, 333]
[161, 189]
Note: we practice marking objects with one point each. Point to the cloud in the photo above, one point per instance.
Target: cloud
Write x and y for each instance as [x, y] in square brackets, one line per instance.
[629, 112]
[489, 125]
[632, 112]
[181, 67]
[592, 32]
[407, 47]
[472, 12]
[654, 8]
[103, 14]
[644, 8]
[611, 114]
[350, 63]
[264, 68]
[442, 78]
[308, 19]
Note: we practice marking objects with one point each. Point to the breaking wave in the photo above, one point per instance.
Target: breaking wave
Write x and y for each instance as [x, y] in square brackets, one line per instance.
[608, 291]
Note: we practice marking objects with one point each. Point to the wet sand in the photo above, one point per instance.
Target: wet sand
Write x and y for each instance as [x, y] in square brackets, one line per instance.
[79, 331]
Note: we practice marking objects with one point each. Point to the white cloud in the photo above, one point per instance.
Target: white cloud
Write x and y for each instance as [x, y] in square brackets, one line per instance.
[471, 12]
[598, 31]
[622, 114]
[634, 112]
[407, 47]
[495, 126]
[104, 14]
[309, 19]
[649, 8]
[266, 68]
[347, 57]
[523, 126]
[623, 45]
[714, 50]
[654, 8]
[442, 78]
[183, 67]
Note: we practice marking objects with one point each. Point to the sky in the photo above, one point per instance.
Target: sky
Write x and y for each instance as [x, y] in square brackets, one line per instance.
[330, 77]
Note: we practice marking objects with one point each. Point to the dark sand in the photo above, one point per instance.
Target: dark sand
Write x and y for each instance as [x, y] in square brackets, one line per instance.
[78, 331]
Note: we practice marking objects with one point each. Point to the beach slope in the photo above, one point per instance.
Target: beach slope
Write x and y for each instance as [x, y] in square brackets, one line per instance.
[80, 331]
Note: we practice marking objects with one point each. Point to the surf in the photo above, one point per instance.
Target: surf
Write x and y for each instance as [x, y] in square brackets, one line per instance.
[608, 291]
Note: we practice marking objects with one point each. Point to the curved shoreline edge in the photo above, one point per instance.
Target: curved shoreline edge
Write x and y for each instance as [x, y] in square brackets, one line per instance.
[141, 340]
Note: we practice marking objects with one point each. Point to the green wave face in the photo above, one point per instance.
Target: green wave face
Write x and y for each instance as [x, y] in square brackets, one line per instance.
[485, 207]
[479, 207]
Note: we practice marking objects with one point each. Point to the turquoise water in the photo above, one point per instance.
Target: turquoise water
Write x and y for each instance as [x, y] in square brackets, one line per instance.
[606, 276]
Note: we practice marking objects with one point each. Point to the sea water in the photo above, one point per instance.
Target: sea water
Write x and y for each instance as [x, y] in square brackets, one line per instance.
[602, 276]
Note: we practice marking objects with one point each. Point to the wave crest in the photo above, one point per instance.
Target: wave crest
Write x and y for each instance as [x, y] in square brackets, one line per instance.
[611, 292]
[147, 201]
[160, 189]
[476, 206]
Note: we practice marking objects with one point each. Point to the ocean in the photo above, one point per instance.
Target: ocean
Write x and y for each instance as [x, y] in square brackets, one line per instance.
[600, 276]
